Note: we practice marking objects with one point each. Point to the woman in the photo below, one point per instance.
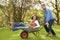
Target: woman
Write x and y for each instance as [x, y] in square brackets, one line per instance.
[33, 24]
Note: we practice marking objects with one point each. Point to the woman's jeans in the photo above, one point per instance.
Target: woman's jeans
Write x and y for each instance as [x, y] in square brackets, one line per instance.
[16, 25]
[49, 28]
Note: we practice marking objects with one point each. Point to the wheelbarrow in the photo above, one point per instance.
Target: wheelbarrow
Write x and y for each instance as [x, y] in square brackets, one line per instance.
[26, 30]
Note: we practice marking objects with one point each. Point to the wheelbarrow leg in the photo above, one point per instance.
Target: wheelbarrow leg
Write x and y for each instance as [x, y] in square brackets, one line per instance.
[34, 34]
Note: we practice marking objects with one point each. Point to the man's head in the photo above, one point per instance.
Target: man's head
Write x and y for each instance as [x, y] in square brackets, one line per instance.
[42, 5]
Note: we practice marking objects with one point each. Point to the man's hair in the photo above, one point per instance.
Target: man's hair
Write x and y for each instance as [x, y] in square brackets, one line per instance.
[43, 4]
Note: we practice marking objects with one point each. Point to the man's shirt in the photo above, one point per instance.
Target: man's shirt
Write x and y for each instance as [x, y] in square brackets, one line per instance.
[47, 15]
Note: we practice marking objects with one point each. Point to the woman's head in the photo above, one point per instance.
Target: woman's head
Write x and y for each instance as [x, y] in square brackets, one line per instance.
[34, 17]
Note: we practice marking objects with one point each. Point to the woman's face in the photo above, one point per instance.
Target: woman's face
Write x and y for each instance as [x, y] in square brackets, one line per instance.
[34, 17]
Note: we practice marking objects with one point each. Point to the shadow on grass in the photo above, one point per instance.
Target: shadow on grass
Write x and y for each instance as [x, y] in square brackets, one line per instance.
[54, 37]
[33, 38]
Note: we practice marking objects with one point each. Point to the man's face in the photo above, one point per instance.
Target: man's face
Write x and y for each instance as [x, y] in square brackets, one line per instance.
[42, 6]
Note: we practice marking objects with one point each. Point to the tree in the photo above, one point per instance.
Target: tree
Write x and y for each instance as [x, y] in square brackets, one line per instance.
[20, 6]
[56, 6]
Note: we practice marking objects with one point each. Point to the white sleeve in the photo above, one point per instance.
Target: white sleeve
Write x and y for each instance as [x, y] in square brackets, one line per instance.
[37, 23]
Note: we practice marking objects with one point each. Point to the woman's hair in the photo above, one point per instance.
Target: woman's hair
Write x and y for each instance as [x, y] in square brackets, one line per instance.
[33, 16]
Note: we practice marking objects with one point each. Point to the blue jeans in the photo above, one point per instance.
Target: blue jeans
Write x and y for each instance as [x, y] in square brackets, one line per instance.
[49, 28]
[16, 25]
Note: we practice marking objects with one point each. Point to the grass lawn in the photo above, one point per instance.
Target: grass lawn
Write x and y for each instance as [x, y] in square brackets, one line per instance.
[6, 34]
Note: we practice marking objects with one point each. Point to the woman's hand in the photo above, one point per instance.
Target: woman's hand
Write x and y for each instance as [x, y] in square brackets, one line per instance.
[31, 26]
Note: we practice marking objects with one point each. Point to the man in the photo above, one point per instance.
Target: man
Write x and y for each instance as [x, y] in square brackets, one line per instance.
[48, 19]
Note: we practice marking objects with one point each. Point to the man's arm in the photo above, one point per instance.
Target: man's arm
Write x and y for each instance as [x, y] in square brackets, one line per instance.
[47, 16]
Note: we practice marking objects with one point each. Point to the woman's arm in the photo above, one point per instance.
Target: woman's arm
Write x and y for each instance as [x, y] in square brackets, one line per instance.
[37, 23]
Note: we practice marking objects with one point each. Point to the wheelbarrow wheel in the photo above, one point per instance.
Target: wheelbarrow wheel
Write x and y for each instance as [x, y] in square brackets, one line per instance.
[24, 34]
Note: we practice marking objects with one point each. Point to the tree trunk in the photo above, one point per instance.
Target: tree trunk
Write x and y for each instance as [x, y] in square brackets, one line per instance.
[57, 12]
[17, 16]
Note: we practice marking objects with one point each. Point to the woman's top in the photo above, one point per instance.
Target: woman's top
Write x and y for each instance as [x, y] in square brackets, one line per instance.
[34, 23]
